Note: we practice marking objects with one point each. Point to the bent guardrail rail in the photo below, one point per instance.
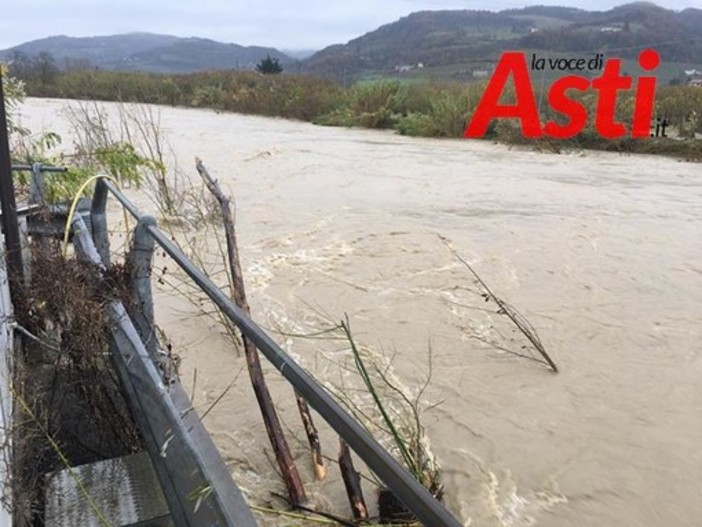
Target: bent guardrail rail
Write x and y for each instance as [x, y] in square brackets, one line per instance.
[414, 496]
[195, 481]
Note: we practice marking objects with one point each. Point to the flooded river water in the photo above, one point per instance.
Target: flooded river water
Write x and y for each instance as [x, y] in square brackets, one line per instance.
[601, 252]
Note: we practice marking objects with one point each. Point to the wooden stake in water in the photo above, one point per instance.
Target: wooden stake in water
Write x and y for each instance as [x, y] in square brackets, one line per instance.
[352, 481]
[286, 463]
[320, 470]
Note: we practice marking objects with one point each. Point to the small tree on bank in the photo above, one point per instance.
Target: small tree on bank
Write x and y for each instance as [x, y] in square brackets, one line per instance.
[269, 66]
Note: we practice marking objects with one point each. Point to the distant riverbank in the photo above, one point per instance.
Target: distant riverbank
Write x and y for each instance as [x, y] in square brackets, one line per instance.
[427, 109]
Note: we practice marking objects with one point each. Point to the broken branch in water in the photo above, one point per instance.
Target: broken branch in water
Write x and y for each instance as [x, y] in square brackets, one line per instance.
[352, 481]
[521, 323]
[312, 437]
[286, 463]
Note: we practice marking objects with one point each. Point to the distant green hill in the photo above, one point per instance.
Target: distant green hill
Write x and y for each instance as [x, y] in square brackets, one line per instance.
[146, 52]
[624, 30]
[446, 43]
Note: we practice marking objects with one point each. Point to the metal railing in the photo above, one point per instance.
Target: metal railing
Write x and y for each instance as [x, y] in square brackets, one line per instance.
[194, 479]
[36, 187]
[407, 489]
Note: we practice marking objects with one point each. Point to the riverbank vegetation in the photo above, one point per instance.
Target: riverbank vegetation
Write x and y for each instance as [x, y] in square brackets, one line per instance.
[426, 109]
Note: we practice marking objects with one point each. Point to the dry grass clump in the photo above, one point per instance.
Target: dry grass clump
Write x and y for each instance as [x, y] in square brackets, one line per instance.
[68, 406]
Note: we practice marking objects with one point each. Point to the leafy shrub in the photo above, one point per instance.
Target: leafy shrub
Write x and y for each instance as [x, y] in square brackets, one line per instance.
[417, 124]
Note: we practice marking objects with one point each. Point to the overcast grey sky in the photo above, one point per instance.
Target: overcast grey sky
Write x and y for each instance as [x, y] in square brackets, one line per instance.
[296, 24]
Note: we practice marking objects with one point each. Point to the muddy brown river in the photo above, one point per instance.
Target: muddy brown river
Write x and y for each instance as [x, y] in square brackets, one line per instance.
[601, 252]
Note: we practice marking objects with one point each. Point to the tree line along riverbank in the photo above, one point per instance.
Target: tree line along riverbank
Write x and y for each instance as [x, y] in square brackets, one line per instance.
[426, 109]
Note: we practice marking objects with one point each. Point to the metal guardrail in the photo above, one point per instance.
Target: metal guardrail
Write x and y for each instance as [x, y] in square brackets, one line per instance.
[195, 481]
[415, 497]
[36, 188]
[38, 168]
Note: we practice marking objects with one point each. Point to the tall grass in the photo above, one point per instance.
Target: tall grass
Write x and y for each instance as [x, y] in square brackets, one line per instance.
[370, 105]
[440, 110]
[290, 96]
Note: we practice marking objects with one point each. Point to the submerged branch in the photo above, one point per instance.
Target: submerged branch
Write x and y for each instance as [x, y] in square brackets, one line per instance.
[519, 321]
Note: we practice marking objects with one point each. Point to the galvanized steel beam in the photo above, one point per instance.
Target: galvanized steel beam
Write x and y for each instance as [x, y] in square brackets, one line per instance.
[193, 476]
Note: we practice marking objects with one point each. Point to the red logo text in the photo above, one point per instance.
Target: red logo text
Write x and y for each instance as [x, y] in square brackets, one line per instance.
[607, 86]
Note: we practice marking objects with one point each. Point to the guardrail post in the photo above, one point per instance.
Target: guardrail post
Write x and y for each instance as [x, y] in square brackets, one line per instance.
[142, 303]
[36, 188]
[98, 220]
